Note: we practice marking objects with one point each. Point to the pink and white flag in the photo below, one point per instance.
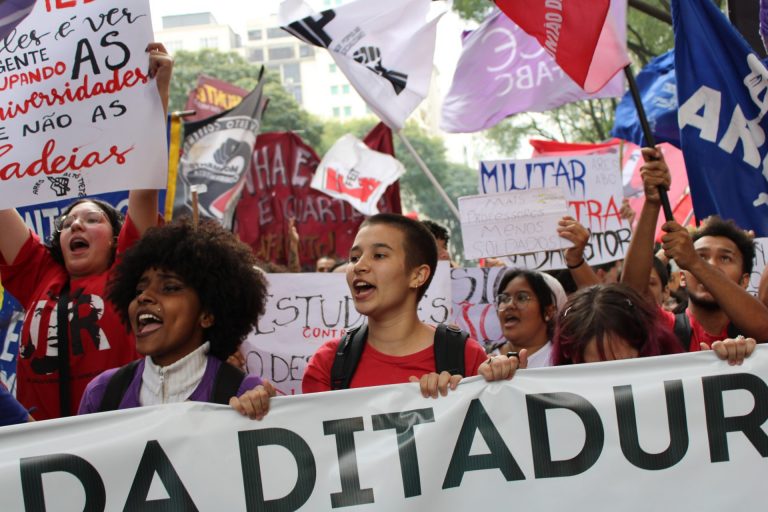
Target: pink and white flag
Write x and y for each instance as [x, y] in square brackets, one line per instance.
[504, 71]
[352, 171]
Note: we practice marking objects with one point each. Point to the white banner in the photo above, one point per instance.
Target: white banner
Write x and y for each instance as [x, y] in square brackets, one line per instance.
[472, 309]
[593, 188]
[684, 432]
[79, 114]
[516, 222]
[306, 310]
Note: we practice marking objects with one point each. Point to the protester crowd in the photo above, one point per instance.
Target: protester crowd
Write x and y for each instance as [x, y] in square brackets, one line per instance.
[129, 312]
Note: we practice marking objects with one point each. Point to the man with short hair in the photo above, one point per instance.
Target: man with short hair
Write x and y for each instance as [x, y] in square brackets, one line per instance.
[391, 264]
[716, 263]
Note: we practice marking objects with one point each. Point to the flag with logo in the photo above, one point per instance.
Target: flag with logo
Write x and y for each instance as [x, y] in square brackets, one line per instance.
[11, 14]
[578, 34]
[385, 49]
[722, 90]
[658, 91]
[215, 155]
[503, 71]
[352, 171]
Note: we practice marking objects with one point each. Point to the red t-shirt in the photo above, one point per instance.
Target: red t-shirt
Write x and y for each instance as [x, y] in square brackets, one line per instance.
[98, 340]
[378, 369]
[698, 334]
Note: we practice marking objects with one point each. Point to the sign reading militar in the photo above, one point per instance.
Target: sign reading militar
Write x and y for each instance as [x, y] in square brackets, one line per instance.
[80, 114]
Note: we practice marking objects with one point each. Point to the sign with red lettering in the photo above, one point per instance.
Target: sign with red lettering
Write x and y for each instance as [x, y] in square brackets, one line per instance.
[593, 189]
[277, 189]
[80, 114]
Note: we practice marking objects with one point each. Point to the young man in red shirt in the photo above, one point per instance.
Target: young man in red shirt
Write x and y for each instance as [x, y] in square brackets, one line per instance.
[391, 264]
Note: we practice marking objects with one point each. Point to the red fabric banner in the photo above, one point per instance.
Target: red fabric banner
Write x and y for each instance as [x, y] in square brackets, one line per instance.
[211, 96]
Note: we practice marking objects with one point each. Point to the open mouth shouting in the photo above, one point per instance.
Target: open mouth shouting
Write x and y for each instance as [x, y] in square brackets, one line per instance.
[509, 320]
[146, 323]
[78, 245]
[361, 289]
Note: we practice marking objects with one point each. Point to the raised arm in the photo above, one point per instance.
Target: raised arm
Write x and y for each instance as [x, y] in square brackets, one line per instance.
[748, 313]
[639, 258]
[14, 234]
[142, 204]
[582, 274]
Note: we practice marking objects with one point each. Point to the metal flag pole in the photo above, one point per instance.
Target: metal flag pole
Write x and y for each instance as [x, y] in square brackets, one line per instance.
[429, 175]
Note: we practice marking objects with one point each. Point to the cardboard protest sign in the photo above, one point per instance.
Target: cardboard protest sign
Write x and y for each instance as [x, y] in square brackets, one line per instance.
[634, 435]
[592, 185]
[80, 114]
[306, 310]
[515, 222]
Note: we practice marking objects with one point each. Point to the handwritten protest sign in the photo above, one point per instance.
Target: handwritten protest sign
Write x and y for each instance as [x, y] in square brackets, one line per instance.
[759, 264]
[634, 435]
[80, 114]
[515, 222]
[593, 188]
[306, 310]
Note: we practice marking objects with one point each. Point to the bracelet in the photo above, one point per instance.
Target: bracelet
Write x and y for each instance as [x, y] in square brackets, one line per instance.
[576, 265]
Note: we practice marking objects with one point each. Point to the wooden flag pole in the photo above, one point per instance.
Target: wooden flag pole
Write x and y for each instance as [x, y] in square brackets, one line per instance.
[429, 175]
[650, 140]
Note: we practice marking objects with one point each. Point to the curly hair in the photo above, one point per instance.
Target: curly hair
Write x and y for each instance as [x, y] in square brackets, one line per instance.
[115, 218]
[602, 311]
[210, 260]
[715, 226]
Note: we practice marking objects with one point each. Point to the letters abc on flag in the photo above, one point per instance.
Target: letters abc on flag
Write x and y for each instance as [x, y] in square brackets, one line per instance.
[658, 90]
[216, 153]
[352, 171]
[722, 90]
[578, 34]
[385, 49]
[11, 14]
[503, 71]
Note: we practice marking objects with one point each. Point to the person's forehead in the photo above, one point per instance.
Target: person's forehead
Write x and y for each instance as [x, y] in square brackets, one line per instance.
[87, 206]
[716, 243]
[518, 284]
[379, 234]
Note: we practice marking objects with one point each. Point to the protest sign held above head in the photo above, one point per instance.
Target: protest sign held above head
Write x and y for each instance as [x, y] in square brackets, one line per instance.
[80, 115]
[592, 185]
[385, 49]
[516, 222]
[352, 171]
[503, 71]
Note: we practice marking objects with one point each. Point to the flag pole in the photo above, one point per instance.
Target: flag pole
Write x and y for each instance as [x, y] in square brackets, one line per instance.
[429, 175]
[649, 138]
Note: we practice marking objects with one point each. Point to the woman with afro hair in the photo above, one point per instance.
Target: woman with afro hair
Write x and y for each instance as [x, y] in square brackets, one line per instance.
[190, 295]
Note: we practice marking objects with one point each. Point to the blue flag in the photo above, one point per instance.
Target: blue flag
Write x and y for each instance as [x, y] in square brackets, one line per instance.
[722, 90]
[658, 91]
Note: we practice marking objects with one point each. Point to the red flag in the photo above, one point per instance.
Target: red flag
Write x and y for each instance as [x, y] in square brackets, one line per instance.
[575, 34]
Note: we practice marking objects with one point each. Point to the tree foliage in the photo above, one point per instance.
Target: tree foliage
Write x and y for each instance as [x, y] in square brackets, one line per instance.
[283, 113]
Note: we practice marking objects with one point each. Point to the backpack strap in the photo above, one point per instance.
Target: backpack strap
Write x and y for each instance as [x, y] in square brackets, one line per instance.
[449, 349]
[682, 330]
[117, 386]
[227, 383]
[348, 356]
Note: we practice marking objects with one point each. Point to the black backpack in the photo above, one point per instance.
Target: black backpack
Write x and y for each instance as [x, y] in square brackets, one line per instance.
[684, 331]
[226, 385]
[449, 353]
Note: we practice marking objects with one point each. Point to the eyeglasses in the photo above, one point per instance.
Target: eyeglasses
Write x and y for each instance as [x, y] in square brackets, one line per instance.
[89, 218]
[519, 300]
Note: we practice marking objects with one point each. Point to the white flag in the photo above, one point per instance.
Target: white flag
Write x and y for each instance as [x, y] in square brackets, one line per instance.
[352, 171]
[385, 49]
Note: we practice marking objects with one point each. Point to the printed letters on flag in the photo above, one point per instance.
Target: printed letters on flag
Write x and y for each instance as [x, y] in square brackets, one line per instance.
[357, 174]
[216, 153]
[211, 96]
[658, 90]
[11, 14]
[721, 89]
[503, 71]
[384, 49]
[578, 34]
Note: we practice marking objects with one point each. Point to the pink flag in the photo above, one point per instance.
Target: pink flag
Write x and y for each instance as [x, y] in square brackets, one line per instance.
[576, 34]
[503, 71]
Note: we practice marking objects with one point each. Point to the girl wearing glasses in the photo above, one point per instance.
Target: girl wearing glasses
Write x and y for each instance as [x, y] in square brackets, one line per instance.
[70, 332]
